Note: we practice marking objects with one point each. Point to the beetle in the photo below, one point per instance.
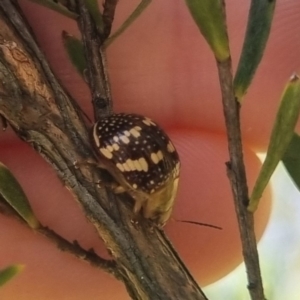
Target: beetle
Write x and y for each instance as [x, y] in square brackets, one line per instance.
[143, 161]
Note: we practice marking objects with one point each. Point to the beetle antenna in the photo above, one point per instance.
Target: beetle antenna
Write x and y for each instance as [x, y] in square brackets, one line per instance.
[200, 224]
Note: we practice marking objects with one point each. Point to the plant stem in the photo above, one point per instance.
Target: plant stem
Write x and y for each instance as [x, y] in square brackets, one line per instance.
[109, 8]
[64, 245]
[96, 63]
[237, 176]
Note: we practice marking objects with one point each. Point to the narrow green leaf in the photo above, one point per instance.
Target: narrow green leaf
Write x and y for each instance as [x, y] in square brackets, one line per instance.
[291, 159]
[93, 8]
[56, 7]
[75, 50]
[9, 272]
[12, 193]
[133, 16]
[210, 18]
[281, 137]
[257, 34]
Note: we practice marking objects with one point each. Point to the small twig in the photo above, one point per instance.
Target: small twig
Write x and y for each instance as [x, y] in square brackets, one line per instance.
[109, 8]
[237, 176]
[96, 63]
[73, 248]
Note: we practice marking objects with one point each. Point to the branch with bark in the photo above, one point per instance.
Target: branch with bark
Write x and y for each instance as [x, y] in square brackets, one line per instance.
[42, 114]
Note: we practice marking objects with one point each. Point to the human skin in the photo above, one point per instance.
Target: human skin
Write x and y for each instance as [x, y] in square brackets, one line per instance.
[161, 67]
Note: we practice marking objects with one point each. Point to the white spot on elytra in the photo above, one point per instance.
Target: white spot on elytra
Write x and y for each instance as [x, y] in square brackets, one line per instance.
[110, 148]
[134, 132]
[130, 164]
[156, 157]
[116, 139]
[106, 153]
[126, 167]
[137, 165]
[116, 147]
[170, 147]
[159, 155]
[124, 139]
[127, 133]
[144, 164]
[120, 167]
[148, 122]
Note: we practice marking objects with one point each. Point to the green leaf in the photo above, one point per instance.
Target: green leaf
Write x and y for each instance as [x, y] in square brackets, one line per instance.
[75, 50]
[282, 134]
[13, 194]
[291, 159]
[209, 16]
[133, 16]
[257, 34]
[93, 8]
[9, 272]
